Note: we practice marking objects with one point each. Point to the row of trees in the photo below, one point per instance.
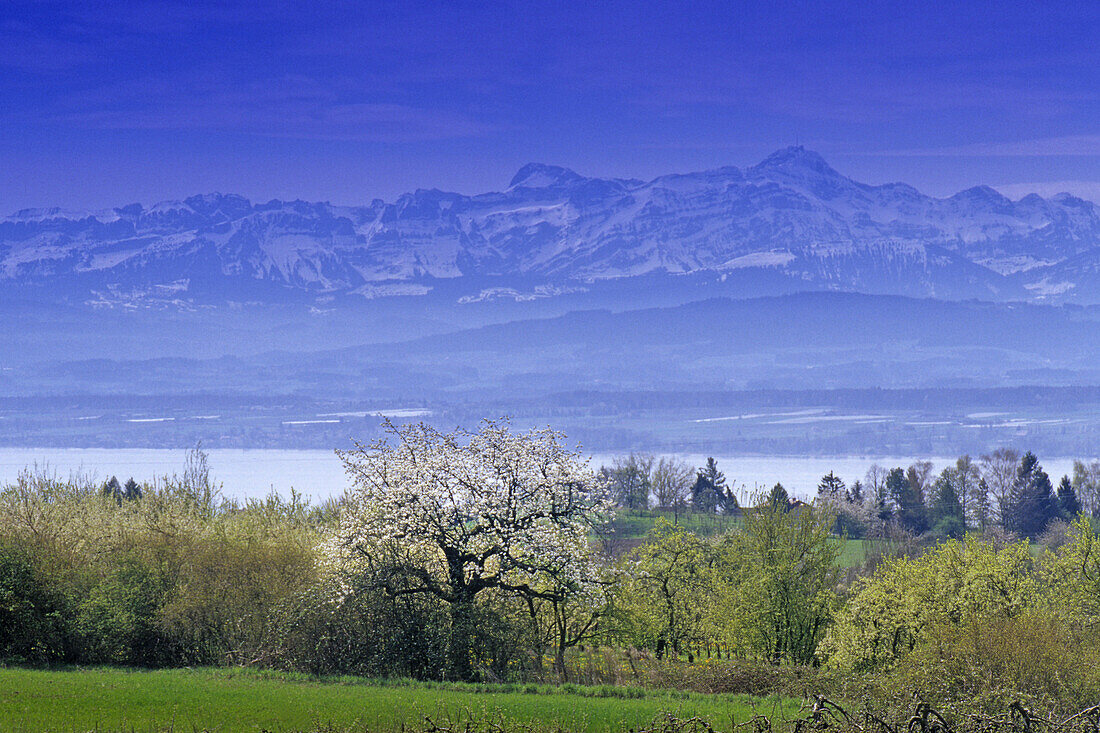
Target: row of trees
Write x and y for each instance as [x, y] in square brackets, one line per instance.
[642, 481]
[1004, 489]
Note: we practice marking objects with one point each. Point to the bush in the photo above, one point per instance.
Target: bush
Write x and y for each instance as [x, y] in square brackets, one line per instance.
[118, 619]
[986, 663]
[327, 630]
[33, 616]
[228, 587]
[892, 611]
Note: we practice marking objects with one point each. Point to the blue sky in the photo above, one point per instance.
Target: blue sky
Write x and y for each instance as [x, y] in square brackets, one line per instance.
[104, 103]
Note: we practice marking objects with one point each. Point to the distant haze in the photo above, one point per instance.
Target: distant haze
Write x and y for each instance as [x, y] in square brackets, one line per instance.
[319, 474]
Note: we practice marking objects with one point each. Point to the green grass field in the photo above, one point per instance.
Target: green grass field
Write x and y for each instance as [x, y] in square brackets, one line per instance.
[110, 700]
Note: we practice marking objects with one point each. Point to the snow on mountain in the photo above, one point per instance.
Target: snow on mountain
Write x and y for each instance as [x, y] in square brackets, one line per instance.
[792, 219]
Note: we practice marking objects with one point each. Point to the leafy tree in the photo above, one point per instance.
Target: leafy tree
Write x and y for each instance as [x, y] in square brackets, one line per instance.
[784, 568]
[33, 614]
[671, 483]
[630, 482]
[119, 618]
[458, 514]
[569, 619]
[663, 594]
[1072, 574]
[1068, 504]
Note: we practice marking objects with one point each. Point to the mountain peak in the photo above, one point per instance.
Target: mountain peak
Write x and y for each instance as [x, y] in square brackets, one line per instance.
[795, 158]
[981, 195]
[540, 175]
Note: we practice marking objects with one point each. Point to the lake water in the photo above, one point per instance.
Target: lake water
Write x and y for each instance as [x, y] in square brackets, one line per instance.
[319, 473]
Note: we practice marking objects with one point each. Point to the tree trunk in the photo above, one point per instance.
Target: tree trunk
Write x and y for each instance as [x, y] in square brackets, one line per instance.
[461, 642]
[559, 663]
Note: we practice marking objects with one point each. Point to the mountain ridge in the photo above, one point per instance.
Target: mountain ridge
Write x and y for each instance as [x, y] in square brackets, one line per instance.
[792, 218]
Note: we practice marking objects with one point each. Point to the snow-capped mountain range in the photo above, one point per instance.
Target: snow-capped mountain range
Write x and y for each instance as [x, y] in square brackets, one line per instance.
[789, 223]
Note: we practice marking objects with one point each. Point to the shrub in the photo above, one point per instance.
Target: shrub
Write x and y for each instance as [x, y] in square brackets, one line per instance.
[327, 630]
[987, 662]
[118, 620]
[33, 626]
[891, 611]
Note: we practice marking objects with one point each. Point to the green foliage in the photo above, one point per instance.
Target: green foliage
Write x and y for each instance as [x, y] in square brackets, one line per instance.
[629, 480]
[33, 617]
[1032, 504]
[170, 574]
[892, 611]
[946, 513]
[986, 662]
[831, 486]
[1068, 504]
[781, 571]
[1071, 575]
[778, 498]
[325, 631]
[663, 590]
[906, 489]
[118, 618]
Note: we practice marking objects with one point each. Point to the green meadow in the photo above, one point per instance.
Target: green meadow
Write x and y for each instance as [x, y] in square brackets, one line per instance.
[229, 700]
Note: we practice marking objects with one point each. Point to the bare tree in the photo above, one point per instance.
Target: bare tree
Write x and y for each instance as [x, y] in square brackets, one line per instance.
[671, 481]
[630, 480]
[876, 485]
[999, 473]
[967, 479]
[1086, 482]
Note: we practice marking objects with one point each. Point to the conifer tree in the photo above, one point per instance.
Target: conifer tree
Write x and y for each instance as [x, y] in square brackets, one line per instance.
[111, 489]
[946, 510]
[855, 494]
[1068, 504]
[778, 498]
[831, 487]
[909, 500]
[1031, 503]
[131, 492]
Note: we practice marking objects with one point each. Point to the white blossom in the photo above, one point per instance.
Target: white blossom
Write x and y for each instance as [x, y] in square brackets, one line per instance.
[460, 512]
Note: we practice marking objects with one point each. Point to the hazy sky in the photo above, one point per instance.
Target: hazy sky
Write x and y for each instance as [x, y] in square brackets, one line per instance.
[105, 103]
